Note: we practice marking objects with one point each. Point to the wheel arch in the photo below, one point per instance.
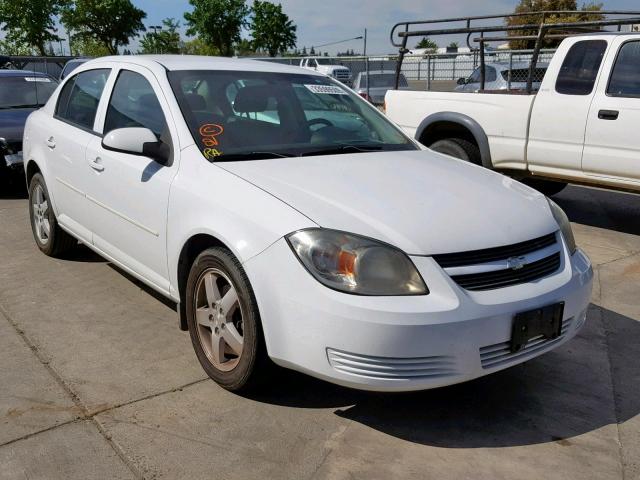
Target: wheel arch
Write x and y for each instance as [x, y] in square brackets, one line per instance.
[31, 169]
[443, 125]
[192, 247]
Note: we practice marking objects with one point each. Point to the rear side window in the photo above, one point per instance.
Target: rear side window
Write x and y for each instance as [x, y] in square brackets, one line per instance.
[134, 104]
[625, 78]
[80, 96]
[580, 67]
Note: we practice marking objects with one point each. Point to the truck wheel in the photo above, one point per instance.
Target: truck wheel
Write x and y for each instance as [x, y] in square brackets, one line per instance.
[224, 322]
[458, 148]
[547, 187]
[50, 238]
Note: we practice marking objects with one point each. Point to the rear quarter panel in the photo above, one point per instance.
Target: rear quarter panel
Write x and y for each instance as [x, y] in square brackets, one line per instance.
[503, 117]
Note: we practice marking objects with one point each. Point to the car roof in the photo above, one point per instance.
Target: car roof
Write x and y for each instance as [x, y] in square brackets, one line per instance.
[198, 62]
[21, 73]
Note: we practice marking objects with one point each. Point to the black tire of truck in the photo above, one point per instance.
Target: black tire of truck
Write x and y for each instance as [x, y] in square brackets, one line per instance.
[546, 187]
[458, 148]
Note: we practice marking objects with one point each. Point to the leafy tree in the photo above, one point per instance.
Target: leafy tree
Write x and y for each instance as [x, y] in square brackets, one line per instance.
[217, 22]
[453, 46]
[304, 51]
[30, 23]
[271, 29]
[13, 47]
[88, 47]
[198, 46]
[165, 41]
[245, 48]
[532, 6]
[109, 22]
[427, 44]
[312, 51]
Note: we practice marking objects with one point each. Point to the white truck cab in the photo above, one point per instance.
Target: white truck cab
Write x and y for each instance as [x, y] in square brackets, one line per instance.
[579, 127]
[324, 65]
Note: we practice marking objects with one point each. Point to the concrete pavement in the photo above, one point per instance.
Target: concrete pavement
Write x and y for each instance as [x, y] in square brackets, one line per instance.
[98, 382]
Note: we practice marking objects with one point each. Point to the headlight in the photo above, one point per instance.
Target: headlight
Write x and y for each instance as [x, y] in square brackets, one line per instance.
[355, 264]
[563, 223]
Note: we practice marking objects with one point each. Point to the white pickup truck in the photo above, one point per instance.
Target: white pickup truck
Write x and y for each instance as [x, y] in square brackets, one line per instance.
[324, 65]
[580, 127]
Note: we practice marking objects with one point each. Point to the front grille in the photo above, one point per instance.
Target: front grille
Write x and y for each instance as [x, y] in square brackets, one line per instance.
[392, 368]
[500, 354]
[492, 254]
[509, 277]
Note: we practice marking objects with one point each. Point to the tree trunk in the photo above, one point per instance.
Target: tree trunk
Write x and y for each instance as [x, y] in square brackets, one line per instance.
[41, 49]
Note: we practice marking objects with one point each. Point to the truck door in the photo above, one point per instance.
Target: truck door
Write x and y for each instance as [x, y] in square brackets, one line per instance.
[612, 143]
[561, 107]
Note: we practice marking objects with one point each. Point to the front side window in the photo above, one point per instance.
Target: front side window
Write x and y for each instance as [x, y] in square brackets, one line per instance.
[580, 67]
[247, 115]
[79, 98]
[133, 103]
[25, 91]
[625, 77]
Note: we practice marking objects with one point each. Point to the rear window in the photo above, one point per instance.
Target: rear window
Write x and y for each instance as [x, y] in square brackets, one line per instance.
[25, 91]
[625, 77]
[580, 67]
[78, 101]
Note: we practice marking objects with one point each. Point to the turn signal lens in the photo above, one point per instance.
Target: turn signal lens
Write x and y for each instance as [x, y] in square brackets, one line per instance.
[354, 264]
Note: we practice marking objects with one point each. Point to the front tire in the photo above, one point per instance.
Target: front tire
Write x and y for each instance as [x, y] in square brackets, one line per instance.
[458, 148]
[224, 322]
[49, 237]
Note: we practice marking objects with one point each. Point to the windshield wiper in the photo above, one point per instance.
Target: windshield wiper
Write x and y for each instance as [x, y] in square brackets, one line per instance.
[334, 150]
[232, 157]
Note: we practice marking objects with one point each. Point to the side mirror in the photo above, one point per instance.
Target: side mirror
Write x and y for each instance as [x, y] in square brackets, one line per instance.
[462, 81]
[137, 141]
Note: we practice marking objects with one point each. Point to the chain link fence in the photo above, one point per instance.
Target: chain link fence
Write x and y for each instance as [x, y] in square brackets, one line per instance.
[506, 69]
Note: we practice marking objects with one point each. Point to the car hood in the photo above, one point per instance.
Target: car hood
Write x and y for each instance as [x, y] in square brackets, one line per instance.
[422, 202]
[12, 123]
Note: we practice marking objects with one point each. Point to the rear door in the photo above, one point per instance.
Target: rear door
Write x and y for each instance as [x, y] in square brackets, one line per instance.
[612, 143]
[67, 137]
[560, 110]
[130, 193]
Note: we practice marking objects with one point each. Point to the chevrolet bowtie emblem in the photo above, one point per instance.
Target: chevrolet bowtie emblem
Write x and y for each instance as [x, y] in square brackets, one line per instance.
[516, 263]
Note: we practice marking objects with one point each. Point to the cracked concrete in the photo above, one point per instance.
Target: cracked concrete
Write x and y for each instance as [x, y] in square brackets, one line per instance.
[98, 382]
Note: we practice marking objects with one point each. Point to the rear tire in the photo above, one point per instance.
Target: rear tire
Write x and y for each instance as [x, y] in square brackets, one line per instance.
[546, 187]
[224, 322]
[49, 237]
[458, 148]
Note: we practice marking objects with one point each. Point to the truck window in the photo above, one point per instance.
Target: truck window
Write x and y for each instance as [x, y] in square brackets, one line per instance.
[625, 77]
[580, 67]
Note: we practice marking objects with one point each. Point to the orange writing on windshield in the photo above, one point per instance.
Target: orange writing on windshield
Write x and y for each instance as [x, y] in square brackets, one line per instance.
[209, 132]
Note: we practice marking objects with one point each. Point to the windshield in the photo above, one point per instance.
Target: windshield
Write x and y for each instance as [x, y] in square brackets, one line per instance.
[251, 115]
[25, 91]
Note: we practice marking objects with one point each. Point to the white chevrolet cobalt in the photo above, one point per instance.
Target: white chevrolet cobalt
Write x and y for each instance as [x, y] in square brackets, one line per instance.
[291, 220]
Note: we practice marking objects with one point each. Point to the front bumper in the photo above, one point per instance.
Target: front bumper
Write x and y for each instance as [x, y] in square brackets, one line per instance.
[405, 343]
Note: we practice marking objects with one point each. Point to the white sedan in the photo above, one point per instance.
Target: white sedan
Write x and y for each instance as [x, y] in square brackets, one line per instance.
[329, 243]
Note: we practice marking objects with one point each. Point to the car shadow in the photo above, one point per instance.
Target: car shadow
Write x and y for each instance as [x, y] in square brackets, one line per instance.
[555, 397]
[13, 189]
[601, 208]
[82, 253]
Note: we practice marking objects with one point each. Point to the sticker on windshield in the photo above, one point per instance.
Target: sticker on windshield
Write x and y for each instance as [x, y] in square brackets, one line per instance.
[37, 79]
[209, 132]
[326, 89]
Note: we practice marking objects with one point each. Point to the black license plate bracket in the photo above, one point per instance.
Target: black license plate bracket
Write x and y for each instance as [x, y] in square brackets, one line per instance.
[543, 321]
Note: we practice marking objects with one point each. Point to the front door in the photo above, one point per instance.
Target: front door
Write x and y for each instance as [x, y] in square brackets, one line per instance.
[612, 145]
[130, 193]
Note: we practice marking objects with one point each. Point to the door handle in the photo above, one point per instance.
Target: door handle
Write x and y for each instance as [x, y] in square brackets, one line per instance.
[96, 164]
[51, 143]
[608, 114]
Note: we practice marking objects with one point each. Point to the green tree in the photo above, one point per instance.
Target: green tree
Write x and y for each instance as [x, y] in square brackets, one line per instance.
[586, 12]
[198, 46]
[245, 48]
[271, 29]
[427, 44]
[13, 47]
[165, 41]
[453, 46]
[109, 22]
[30, 23]
[217, 22]
[88, 47]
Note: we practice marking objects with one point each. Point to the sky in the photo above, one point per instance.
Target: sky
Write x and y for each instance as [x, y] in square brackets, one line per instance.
[325, 21]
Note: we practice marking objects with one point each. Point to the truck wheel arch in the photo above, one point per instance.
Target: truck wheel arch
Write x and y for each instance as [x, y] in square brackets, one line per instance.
[443, 125]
